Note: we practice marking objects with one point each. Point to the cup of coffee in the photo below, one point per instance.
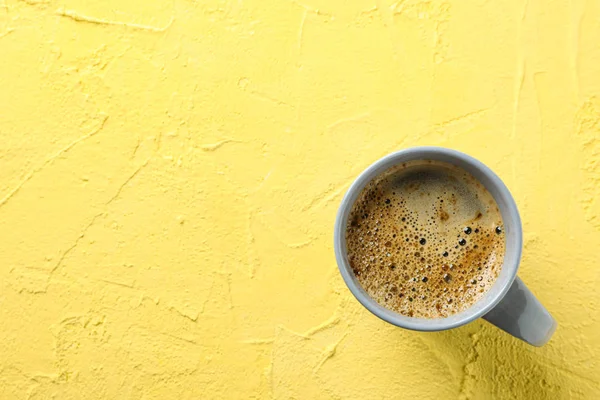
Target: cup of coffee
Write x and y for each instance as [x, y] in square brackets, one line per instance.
[430, 239]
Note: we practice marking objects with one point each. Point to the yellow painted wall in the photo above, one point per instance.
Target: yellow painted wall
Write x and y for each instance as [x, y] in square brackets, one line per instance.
[170, 172]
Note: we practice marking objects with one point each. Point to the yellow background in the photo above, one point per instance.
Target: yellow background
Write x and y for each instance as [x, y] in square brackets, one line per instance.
[170, 172]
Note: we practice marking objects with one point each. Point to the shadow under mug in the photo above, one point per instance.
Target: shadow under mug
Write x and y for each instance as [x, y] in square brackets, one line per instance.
[508, 304]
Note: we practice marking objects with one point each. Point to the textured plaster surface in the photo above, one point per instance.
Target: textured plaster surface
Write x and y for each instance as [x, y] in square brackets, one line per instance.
[170, 172]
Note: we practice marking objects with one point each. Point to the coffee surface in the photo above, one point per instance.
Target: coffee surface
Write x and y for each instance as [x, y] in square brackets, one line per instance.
[425, 239]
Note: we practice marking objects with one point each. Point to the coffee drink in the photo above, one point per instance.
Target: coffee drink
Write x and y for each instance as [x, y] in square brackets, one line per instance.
[425, 239]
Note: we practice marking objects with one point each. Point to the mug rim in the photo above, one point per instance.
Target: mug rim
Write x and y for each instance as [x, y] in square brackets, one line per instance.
[510, 264]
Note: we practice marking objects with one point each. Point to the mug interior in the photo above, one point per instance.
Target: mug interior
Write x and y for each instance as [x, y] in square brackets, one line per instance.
[510, 219]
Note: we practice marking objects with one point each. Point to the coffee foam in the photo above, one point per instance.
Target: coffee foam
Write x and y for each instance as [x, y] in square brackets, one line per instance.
[425, 239]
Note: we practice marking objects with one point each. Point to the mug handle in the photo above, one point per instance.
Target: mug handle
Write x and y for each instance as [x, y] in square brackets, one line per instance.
[520, 314]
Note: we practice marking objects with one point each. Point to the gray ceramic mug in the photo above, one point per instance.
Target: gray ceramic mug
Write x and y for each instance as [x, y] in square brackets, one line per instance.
[508, 304]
